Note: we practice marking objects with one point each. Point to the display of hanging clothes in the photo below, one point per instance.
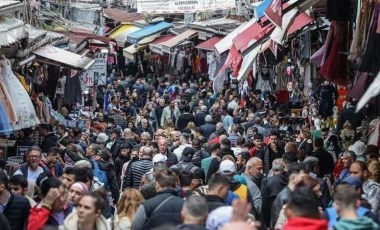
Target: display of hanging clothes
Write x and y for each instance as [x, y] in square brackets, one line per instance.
[73, 91]
[5, 123]
[5, 98]
[370, 61]
[47, 109]
[23, 82]
[180, 61]
[282, 94]
[335, 67]
[26, 114]
[263, 78]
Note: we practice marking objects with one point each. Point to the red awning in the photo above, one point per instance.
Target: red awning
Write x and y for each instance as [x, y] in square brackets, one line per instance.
[162, 39]
[233, 57]
[209, 44]
[251, 35]
[300, 21]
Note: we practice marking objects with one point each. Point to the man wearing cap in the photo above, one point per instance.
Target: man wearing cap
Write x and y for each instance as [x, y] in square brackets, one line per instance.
[371, 189]
[208, 128]
[358, 148]
[185, 161]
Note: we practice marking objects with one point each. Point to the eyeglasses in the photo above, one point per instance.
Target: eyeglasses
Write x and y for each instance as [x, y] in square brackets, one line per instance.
[34, 156]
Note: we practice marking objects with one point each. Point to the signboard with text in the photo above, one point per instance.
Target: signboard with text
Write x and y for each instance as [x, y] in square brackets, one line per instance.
[182, 6]
[97, 73]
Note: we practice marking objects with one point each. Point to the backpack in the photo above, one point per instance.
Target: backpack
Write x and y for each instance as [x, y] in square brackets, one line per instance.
[100, 174]
[189, 167]
[198, 156]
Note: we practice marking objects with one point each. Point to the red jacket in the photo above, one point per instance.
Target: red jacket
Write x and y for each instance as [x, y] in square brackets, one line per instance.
[301, 223]
[38, 217]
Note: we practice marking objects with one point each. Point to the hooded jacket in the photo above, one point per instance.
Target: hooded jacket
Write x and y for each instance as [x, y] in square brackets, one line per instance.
[361, 223]
[301, 223]
[71, 222]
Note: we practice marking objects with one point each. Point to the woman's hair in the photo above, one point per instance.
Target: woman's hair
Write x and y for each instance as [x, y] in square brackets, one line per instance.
[308, 181]
[130, 200]
[100, 197]
[374, 169]
[191, 125]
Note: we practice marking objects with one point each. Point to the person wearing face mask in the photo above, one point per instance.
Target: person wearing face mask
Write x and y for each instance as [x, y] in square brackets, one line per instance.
[253, 174]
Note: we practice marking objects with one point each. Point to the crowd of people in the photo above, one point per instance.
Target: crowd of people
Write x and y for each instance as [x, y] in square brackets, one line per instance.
[171, 156]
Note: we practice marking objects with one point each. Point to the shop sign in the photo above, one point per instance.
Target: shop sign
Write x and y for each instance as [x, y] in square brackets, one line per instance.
[97, 73]
[21, 150]
[182, 6]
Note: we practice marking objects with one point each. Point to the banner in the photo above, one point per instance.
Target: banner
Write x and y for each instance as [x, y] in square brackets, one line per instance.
[97, 73]
[182, 6]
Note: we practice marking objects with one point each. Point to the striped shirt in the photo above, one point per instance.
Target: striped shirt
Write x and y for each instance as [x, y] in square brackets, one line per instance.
[136, 171]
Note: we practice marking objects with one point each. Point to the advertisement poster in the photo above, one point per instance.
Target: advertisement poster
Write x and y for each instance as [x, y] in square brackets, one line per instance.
[182, 6]
[97, 73]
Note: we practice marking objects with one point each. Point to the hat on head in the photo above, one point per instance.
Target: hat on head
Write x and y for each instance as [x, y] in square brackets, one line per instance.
[358, 148]
[187, 154]
[219, 217]
[227, 167]
[82, 186]
[159, 157]
[353, 181]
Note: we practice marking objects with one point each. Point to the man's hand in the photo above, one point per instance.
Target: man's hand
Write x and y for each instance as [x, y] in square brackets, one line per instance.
[51, 197]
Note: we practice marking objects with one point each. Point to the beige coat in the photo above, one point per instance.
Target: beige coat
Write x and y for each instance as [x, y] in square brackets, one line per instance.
[71, 223]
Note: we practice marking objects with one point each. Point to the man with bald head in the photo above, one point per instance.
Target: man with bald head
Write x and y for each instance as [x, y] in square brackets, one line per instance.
[139, 168]
[291, 148]
[164, 150]
[253, 174]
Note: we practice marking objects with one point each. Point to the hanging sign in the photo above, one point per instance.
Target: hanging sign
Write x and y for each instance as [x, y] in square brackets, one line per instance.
[97, 73]
[182, 6]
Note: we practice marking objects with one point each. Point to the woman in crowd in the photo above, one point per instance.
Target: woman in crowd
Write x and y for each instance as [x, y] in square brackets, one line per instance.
[89, 214]
[76, 191]
[130, 200]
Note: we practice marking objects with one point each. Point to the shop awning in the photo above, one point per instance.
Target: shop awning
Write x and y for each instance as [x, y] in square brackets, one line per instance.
[156, 47]
[168, 45]
[300, 22]
[148, 31]
[131, 50]
[260, 9]
[209, 45]
[226, 43]
[251, 35]
[52, 55]
[248, 60]
[11, 30]
[121, 33]
[233, 55]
